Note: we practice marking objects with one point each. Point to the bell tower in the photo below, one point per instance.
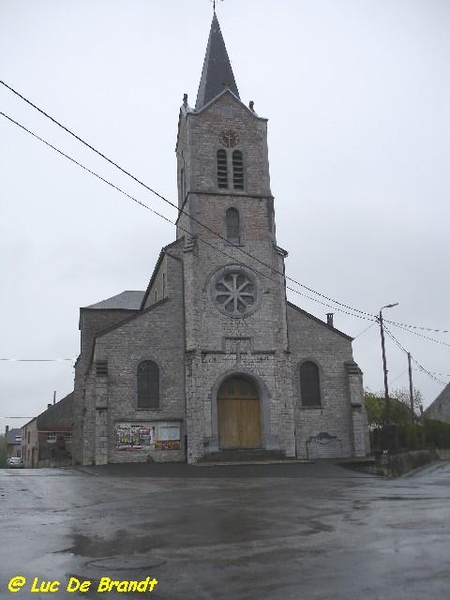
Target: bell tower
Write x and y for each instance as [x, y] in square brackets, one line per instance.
[235, 303]
[221, 148]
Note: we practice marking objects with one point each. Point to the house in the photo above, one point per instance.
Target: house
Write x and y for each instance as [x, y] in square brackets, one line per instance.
[439, 409]
[211, 360]
[47, 439]
[13, 442]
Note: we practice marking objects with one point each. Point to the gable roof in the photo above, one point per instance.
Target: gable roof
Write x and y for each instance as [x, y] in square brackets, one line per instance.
[60, 411]
[127, 300]
[443, 397]
[319, 321]
[155, 270]
[14, 436]
[58, 415]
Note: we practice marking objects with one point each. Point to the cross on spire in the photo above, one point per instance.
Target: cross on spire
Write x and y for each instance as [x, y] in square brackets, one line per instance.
[214, 5]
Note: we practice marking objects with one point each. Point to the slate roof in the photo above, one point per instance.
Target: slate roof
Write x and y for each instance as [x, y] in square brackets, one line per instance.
[57, 416]
[217, 73]
[14, 436]
[128, 300]
[319, 321]
[440, 407]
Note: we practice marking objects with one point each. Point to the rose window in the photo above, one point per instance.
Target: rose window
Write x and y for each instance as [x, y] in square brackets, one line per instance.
[235, 293]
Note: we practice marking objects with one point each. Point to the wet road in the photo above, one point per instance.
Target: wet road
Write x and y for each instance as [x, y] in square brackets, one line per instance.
[291, 532]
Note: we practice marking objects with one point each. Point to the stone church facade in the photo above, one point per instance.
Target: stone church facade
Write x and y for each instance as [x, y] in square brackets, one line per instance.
[211, 359]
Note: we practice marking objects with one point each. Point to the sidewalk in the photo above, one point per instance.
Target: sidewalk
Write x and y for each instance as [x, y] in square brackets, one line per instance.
[297, 469]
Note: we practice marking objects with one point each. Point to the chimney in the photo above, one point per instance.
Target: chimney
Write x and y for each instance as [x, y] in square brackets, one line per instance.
[49, 406]
[330, 319]
[6, 429]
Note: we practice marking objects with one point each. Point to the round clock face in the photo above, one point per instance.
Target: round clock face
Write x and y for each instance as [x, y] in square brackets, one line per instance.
[235, 292]
[229, 138]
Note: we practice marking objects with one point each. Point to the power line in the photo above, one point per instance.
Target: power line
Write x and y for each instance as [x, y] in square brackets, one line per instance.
[366, 329]
[425, 337]
[140, 203]
[85, 168]
[421, 367]
[398, 376]
[416, 327]
[181, 211]
[362, 314]
[38, 359]
[16, 417]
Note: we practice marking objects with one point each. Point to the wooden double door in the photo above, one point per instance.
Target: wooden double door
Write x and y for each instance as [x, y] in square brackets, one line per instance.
[239, 414]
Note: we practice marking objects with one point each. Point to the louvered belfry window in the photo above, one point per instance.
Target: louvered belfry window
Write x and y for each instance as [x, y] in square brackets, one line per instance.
[232, 219]
[222, 169]
[101, 367]
[148, 384]
[310, 384]
[238, 170]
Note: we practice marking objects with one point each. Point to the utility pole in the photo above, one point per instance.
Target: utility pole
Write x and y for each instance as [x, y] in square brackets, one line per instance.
[385, 373]
[411, 389]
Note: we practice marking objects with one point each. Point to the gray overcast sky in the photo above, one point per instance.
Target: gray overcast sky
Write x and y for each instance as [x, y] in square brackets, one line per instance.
[357, 93]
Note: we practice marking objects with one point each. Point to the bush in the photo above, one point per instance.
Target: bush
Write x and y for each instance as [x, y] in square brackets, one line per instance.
[436, 433]
[3, 449]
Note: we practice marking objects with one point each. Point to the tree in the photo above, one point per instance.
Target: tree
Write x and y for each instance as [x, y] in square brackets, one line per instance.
[3, 448]
[404, 431]
[403, 396]
[400, 407]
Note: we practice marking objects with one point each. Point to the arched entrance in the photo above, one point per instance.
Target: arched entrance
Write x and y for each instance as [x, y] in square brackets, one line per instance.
[239, 414]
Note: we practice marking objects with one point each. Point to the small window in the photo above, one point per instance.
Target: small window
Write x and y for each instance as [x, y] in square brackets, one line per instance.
[232, 220]
[238, 170]
[222, 169]
[101, 367]
[51, 437]
[310, 384]
[68, 437]
[148, 384]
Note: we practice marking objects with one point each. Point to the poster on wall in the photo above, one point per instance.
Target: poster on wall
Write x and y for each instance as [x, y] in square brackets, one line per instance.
[159, 435]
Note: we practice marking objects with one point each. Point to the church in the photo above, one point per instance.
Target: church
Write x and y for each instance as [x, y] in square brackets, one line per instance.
[211, 362]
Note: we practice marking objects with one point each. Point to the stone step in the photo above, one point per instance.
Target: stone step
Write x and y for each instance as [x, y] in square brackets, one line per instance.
[243, 455]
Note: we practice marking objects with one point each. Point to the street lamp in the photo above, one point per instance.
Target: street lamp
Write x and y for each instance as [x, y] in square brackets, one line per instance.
[385, 373]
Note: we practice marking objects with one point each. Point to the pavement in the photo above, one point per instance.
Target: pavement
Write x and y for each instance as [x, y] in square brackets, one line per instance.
[274, 468]
[250, 532]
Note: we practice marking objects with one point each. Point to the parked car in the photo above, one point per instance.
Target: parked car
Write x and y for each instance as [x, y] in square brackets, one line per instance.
[14, 462]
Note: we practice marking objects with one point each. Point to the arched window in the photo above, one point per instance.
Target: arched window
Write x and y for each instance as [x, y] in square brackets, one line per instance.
[232, 219]
[238, 170]
[222, 169]
[148, 385]
[310, 384]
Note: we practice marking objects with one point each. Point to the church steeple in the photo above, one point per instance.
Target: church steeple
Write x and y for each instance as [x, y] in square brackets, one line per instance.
[217, 74]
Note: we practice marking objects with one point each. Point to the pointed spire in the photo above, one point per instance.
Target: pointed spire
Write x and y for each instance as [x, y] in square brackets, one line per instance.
[217, 74]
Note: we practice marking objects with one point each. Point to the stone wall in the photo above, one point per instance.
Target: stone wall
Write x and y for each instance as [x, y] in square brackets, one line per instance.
[155, 334]
[92, 322]
[326, 430]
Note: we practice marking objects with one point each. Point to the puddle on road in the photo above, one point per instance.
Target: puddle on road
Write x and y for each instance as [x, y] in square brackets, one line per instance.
[405, 498]
[127, 563]
[120, 543]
